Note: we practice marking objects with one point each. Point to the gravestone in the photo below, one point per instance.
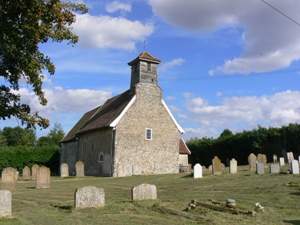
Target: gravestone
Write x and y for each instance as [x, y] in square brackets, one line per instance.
[5, 203]
[210, 168]
[79, 169]
[275, 158]
[34, 169]
[260, 158]
[136, 170]
[252, 161]
[260, 168]
[197, 171]
[281, 161]
[89, 197]
[264, 159]
[233, 166]
[216, 166]
[290, 157]
[144, 192]
[43, 177]
[64, 170]
[26, 173]
[9, 179]
[295, 167]
[204, 169]
[274, 168]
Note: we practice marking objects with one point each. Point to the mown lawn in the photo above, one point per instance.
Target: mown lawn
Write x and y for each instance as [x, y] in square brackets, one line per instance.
[279, 194]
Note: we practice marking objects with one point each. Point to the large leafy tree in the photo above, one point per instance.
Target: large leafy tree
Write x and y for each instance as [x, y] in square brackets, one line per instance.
[18, 136]
[24, 24]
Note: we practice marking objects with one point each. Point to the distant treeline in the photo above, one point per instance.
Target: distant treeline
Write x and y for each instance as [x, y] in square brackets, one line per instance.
[19, 147]
[262, 140]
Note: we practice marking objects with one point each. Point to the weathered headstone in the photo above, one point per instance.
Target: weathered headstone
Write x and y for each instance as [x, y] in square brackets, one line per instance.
[5, 203]
[43, 177]
[281, 161]
[144, 192]
[34, 169]
[9, 179]
[260, 158]
[295, 167]
[89, 197]
[260, 168]
[210, 168]
[197, 171]
[233, 166]
[79, 169]
[275, 158]
[64, 170]
[274, 168]
[26, 173]
[216, 166]
[252, 161]
[204, 169]
[264, 159]
[290, 157]
[136, 170]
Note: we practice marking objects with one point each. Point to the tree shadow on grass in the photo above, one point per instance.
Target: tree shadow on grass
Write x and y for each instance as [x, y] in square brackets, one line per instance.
[295, 193]
[64, 208]
[294, 222]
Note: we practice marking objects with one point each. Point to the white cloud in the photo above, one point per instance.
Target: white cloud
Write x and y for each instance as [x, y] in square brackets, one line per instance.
[110, 32]
[246, 112]
[174, 62]
[270, 39]
[116, 5]
[63, 101]
[219, 93]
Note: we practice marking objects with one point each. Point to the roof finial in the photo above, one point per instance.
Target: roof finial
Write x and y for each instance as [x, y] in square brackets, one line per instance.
[144, 45]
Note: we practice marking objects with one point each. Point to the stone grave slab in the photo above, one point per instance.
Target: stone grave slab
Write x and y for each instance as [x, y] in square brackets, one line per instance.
[5, 203]
[197, 171]
[260, 168]
[43, 177]
[79, 169]
[89, 197]
[274, 168]
[64, 170]
[9, 179]
[216, 166]
[144, 192]
[233, 166]
[295, 166]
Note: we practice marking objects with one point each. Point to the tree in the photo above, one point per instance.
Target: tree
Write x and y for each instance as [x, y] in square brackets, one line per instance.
[56, 133]
[19, 136]
[24, 25]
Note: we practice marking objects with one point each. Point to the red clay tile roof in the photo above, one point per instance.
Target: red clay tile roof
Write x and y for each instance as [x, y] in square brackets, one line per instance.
[183, 149]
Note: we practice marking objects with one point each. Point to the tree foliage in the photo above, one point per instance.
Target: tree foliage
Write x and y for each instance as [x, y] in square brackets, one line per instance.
[24, 25]
[262, 140]
[18, 136]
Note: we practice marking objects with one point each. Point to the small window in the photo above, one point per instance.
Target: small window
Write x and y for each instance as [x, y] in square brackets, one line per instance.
[101, 157]
[148, 134]
[149, 66]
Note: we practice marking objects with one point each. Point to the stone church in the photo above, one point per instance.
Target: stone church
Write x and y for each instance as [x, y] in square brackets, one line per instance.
[133, 133]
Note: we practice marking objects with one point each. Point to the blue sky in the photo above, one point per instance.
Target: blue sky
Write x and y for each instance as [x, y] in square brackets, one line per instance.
[225, 64]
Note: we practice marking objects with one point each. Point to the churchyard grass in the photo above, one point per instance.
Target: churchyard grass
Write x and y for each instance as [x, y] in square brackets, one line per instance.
[279, 194]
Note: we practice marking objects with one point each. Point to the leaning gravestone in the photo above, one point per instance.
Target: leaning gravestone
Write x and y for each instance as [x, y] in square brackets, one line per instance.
[43, 177]
[260, 168]
[9, 179]
[5, 203]
[89, 197]
[216, 166]
[274, 168]
[26, 173]
[79, 169]
[281, 161]
[295, 167]
[264, 159]
[144, 192]
[233, 166]
[252, 161]
[34, 169]
[197, 171]
[64, 170]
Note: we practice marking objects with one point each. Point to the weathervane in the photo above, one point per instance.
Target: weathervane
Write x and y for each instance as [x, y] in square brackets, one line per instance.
[144, 45]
